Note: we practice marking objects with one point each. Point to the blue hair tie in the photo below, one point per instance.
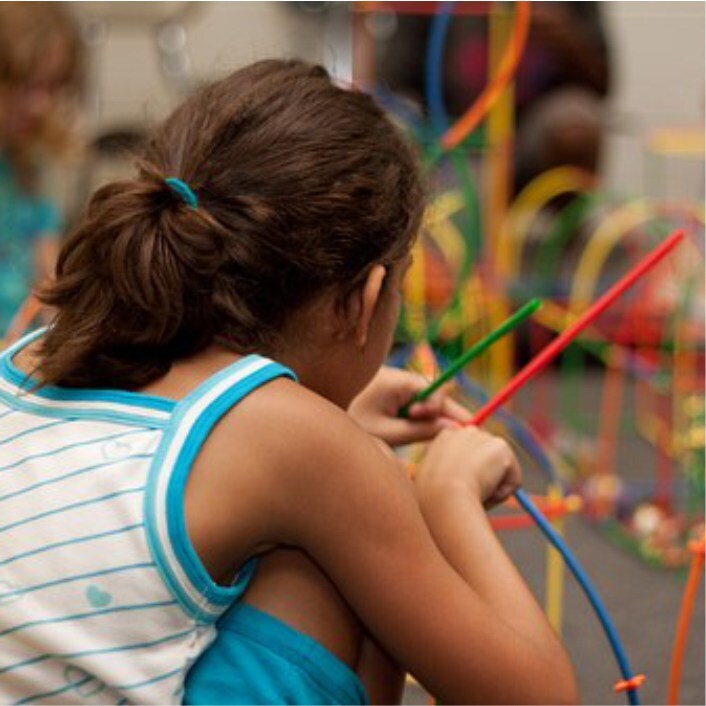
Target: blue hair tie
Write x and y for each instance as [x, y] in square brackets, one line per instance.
[183, 191]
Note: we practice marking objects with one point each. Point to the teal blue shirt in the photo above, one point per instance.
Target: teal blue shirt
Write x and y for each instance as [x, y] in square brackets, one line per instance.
[24, 218]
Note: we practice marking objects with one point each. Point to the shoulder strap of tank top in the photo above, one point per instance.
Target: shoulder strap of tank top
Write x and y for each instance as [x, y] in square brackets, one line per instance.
[193, 419]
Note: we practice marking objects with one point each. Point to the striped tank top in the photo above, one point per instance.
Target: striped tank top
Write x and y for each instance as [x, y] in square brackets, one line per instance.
[102, 597]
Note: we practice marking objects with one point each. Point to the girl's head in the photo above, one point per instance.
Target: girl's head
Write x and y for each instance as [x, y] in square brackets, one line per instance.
[304, 188]
[40, 68]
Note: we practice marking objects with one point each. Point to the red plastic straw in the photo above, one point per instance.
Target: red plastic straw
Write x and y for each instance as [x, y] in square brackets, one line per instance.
[568, 335]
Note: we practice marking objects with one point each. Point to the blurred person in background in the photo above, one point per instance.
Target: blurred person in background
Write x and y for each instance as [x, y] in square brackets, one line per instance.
[560, 86]
[40, 73]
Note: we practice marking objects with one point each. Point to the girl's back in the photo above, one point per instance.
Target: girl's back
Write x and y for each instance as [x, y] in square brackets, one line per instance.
[99, 581]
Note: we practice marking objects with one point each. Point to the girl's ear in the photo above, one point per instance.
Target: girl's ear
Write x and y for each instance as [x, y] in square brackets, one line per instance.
[366, 298]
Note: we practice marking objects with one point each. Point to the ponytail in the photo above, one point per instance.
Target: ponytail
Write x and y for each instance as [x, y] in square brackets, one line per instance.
[133, 286]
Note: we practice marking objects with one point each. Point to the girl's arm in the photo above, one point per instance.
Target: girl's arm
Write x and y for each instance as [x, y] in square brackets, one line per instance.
[376, 410]
[424, 573]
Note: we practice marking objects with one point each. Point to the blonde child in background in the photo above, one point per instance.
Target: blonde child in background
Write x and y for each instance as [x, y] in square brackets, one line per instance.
[192, 506]
[40, 69]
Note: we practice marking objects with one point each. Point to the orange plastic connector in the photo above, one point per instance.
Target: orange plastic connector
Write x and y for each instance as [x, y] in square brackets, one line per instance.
[629, 684]
[698, 547]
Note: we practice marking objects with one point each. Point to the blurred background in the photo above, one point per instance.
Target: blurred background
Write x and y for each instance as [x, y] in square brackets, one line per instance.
[142, 57]
[582, 148]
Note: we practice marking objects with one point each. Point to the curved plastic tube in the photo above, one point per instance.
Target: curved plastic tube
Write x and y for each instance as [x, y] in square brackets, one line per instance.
[454, 135]
[508, 66]
[586, 585]
[434, 73]
[600, 245]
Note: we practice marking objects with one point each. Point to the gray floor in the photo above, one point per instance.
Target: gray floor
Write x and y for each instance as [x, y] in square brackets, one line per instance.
[643, 602]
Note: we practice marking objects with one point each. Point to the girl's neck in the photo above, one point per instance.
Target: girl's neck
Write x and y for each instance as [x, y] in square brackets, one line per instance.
[317, 372]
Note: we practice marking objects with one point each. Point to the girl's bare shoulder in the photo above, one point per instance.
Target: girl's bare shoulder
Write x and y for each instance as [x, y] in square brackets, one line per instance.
[278, 432]
[278, 448]
[283, 413]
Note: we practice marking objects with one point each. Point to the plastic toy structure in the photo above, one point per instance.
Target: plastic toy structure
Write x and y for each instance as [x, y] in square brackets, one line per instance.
[565, 241]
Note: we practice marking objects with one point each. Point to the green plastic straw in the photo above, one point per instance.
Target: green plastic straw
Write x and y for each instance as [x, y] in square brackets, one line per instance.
[473, 352]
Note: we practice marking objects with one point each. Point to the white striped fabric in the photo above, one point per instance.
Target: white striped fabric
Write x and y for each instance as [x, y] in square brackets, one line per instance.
[101, 597]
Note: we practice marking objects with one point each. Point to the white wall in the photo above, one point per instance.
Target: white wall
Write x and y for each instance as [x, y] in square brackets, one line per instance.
[658, 52]
[219, 36]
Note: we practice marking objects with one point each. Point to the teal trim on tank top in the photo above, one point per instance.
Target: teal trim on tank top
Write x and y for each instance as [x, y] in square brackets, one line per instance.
[175, 493]
[186, 556]
[10, 372]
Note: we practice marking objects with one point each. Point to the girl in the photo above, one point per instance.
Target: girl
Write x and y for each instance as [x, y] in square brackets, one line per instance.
[160, 472]
[40, 71]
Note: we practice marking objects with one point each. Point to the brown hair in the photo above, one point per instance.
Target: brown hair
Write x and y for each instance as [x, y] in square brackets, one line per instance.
[27, 31]
[302, 186]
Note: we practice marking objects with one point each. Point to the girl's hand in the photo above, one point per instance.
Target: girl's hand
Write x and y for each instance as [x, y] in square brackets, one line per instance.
[468, 461]
[376, 409]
